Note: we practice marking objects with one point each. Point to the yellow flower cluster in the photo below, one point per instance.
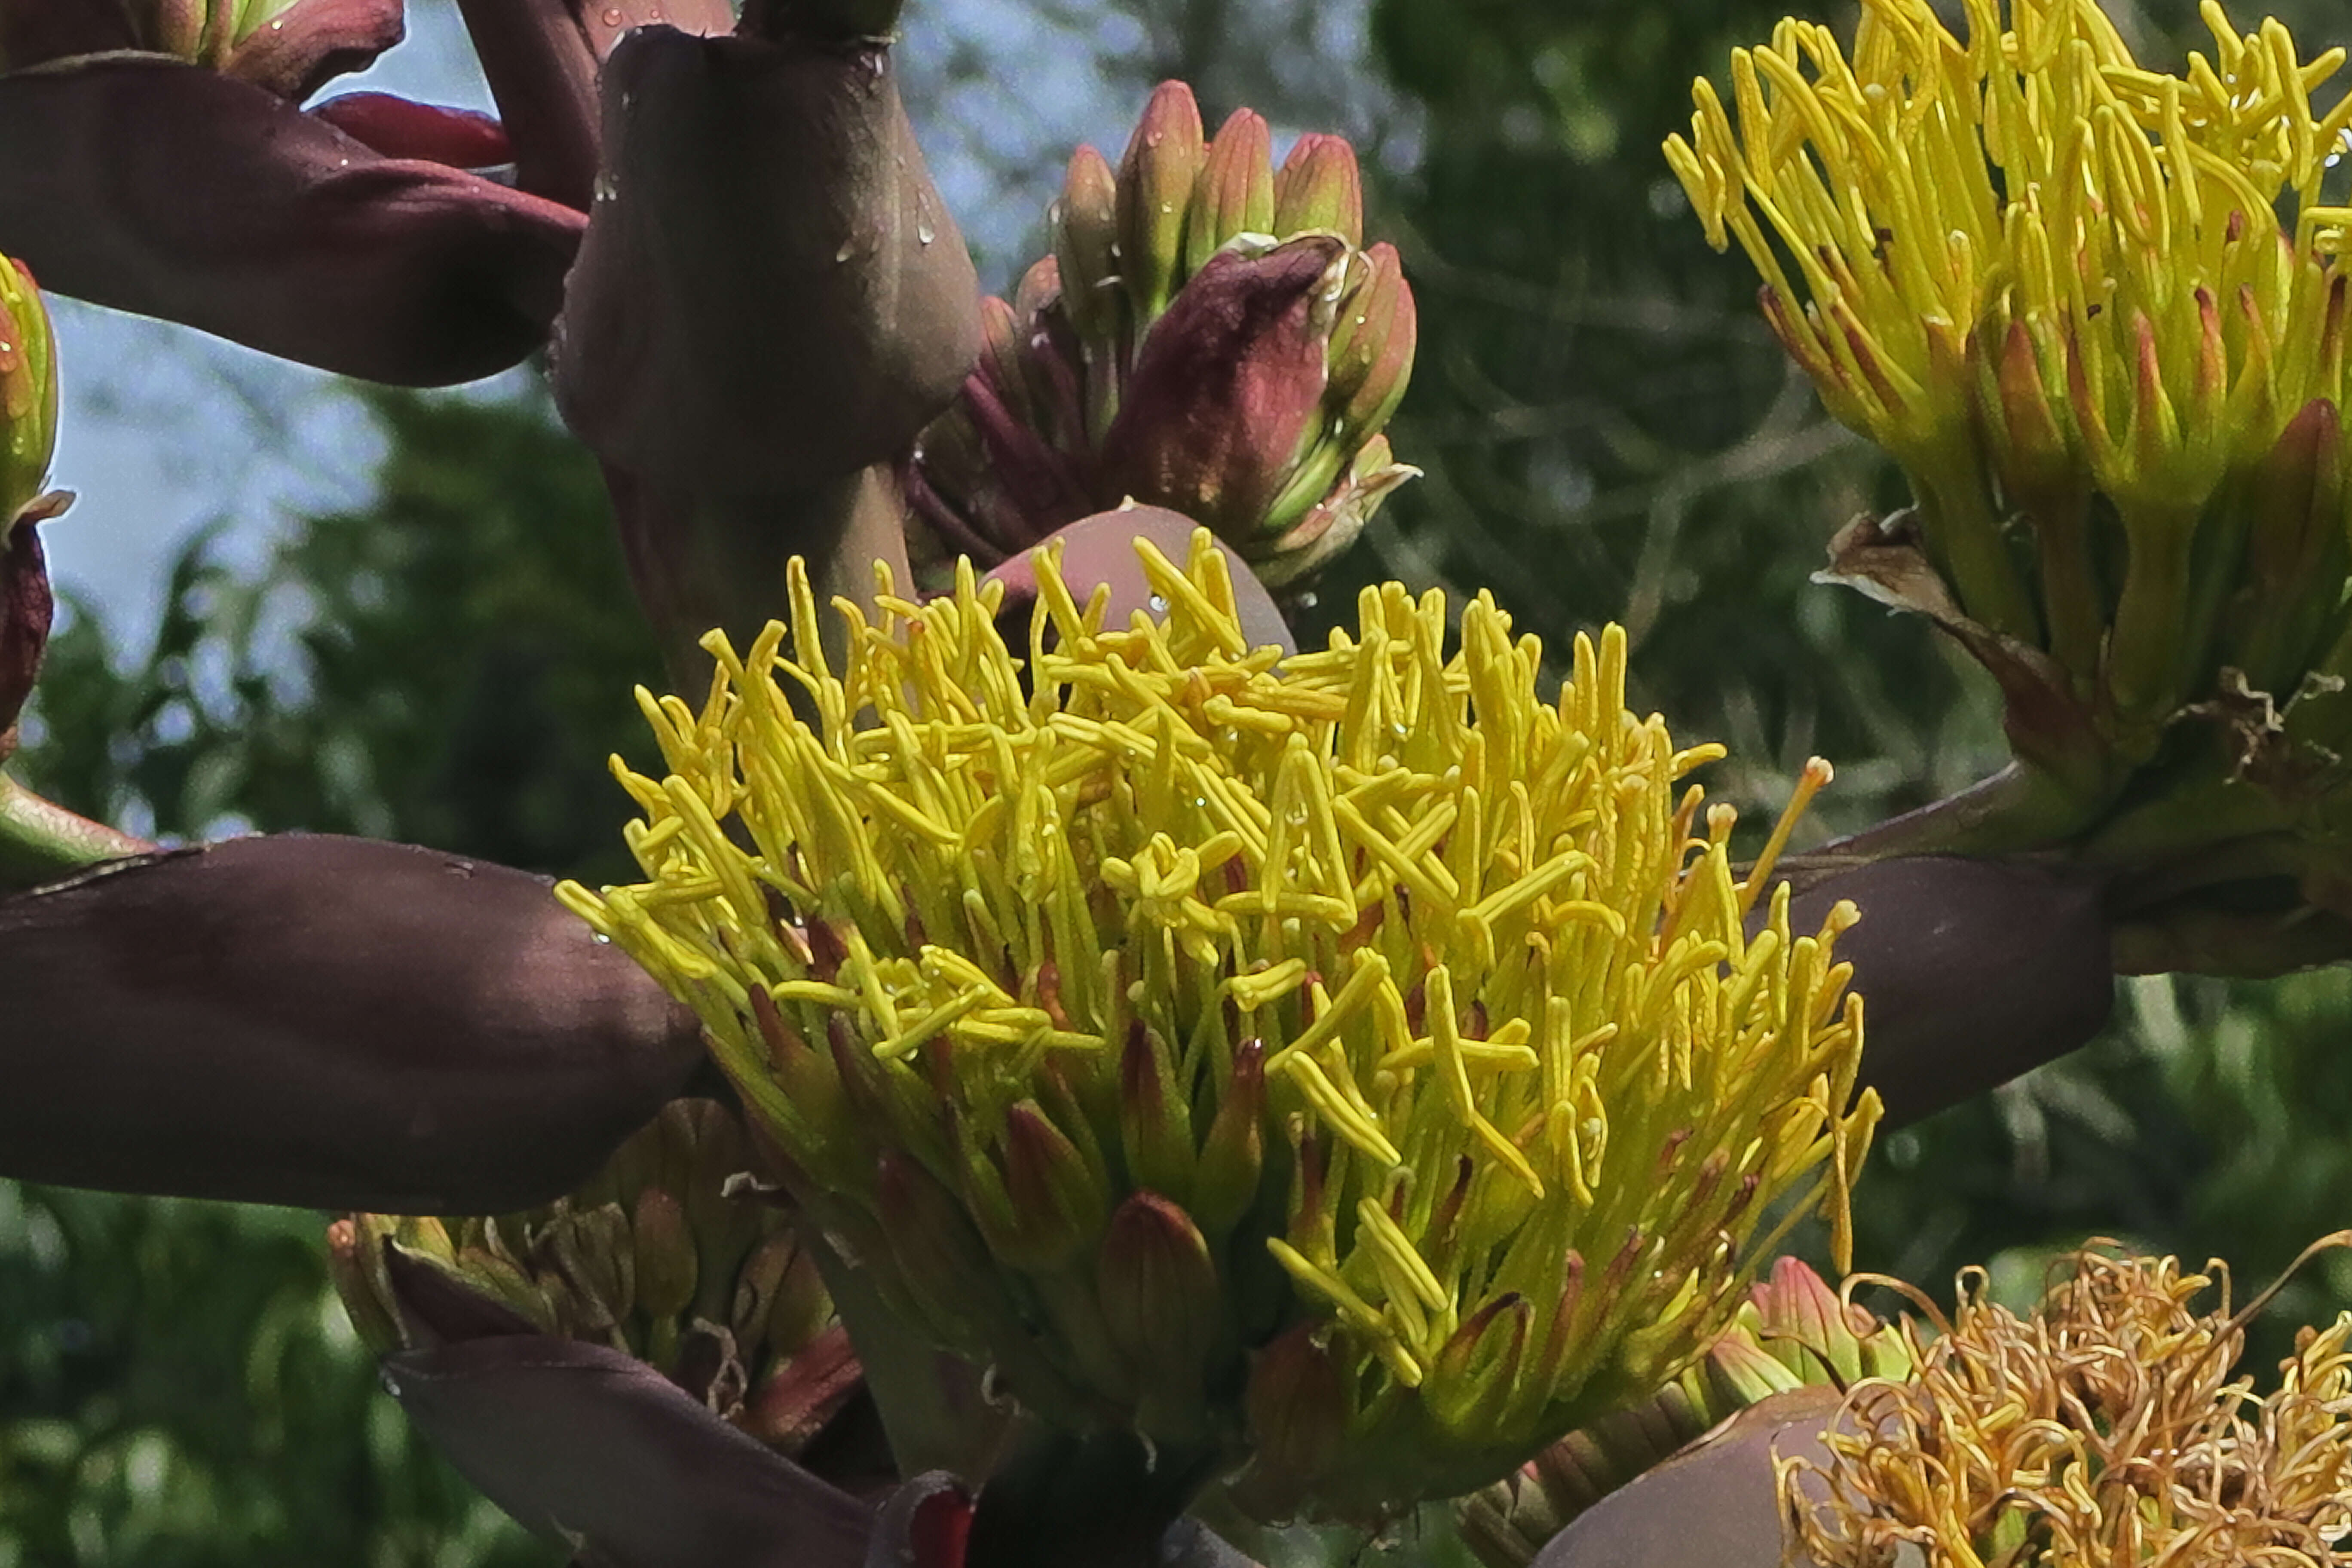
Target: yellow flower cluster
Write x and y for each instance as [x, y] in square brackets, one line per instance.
[1359, 987]
[2028, 253]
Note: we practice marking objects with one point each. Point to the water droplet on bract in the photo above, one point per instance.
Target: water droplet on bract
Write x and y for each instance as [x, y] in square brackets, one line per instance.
[1153, 137]
[653, 13]
[925, 233]
[389, 1386]
[848, 248]
[606, 187]
[602, 940]
[1158, 605]
[611, 17]
[279, 25]
[1167, 207]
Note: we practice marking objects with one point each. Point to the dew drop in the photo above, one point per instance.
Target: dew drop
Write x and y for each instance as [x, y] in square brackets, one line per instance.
[611, 16]
[389, 1386]
[924, 232]
[848, 248]
[1158, 605]
[601, 939]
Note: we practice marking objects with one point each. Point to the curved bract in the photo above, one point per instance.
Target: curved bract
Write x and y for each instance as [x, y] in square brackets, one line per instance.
[1346, 1058]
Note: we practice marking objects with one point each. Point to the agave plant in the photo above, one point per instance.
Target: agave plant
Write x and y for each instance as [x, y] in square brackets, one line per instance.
[1076, 1058]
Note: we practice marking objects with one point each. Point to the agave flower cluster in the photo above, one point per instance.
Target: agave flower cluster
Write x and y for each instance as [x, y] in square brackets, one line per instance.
[2106, 1426]
[1347, 1060]
[663, 1255]
[2097, 313]
[1209, 335]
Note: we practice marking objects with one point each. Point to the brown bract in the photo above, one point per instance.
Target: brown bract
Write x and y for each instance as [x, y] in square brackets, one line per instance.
[323, 1022]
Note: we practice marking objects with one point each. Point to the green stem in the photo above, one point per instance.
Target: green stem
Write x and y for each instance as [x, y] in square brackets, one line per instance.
[42, 842]
[1964, 537]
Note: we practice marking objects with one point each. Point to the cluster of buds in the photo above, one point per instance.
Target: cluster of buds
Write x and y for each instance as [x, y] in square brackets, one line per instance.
[2098, 315]
[1348, 1065]
[669, 1255]
[1794, 1331]
[29, 432]
[2105, 1427]
[1209, 335]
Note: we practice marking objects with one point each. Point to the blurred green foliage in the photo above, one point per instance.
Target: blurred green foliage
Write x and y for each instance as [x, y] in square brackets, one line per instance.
[1609, 432]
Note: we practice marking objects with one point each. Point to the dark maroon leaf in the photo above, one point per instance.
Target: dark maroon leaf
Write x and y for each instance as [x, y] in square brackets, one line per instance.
[1972, 972]
[172, 191]
[771, 296]
[322, 1022]
[307, 45]
[591, 1447]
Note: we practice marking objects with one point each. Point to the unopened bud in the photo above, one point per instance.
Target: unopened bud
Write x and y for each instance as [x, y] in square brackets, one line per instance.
[665, 1260]
[1086, 243]
[1320, 187]
[1155, 191]
[1235, 194]
[1162, 1308]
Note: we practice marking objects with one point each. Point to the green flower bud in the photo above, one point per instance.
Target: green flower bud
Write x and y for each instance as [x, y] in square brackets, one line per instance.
[1155, 180]
[1235, 194]
[1320, 187]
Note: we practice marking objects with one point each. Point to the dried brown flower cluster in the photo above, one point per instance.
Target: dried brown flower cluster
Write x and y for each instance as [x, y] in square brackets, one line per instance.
[2105, 1428]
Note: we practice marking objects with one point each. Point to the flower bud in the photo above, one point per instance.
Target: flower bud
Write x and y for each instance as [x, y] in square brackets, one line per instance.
[1163, 1309]
[1085, 242]
[1235, 194]
[1320, 187]
[1155, 180]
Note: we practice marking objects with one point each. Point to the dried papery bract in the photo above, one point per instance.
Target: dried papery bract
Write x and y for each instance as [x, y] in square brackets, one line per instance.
[2097, 314]
[1390, 1031]
[2108, 1426]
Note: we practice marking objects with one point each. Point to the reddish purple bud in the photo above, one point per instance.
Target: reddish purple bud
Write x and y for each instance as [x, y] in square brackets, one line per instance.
[169, 191]
[328, 1022]
[1228, 389]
